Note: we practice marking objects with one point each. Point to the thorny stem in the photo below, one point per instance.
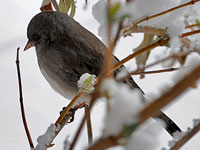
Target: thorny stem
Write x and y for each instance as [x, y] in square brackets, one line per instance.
[192, 2]
[186, 138]
[21, 102]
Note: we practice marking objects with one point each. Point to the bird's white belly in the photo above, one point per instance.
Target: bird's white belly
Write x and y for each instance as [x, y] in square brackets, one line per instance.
[58, 86]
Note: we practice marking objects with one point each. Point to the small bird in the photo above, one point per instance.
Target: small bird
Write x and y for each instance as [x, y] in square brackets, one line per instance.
[66, 50]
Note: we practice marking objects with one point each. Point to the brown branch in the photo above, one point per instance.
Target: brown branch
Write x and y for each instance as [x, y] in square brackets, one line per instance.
[192, 2]
[118, 32]
[179, 54]
[186, 138]
[21, 102]
[131, 56]
[154, 108]
[193, 25]
[55, 4]
[69, 106]
[89, 125]
[190, 33]
[155, 71]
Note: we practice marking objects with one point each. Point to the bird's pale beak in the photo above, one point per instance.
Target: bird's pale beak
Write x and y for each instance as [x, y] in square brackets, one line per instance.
[29, 44]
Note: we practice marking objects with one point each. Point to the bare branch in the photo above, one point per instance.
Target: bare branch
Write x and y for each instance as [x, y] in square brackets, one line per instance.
[22, 104]
[155, 71]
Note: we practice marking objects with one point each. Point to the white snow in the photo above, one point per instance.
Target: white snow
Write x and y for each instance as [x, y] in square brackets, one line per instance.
[124, 106]
[192, 62]
[46, 139]
[146, 136]
[85, 81]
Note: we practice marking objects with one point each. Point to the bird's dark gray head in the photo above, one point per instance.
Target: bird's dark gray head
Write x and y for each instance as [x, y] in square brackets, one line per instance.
[46, 27]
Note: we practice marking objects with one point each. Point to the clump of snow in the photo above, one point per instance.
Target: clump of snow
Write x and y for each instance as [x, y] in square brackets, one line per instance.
[180, 135]
[146, 136]
[99, 11]
[85, 81]
[192, 62]
[123, 73]
[196, 122]
[46, 139]
[124, 106]
[177, 136]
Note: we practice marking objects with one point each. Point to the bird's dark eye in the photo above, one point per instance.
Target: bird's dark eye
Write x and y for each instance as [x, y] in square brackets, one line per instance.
[36, 37]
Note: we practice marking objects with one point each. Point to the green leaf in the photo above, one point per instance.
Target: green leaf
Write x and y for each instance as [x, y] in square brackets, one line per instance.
[70, 5]
[112, 11]
[61, 5]
[73, 9]
[86, 2]
[128, 129]
[84, 87]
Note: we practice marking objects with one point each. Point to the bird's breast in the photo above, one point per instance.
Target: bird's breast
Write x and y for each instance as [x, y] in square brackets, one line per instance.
[56, 79]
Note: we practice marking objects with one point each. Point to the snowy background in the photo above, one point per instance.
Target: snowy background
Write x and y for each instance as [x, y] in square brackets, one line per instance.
[42, 104]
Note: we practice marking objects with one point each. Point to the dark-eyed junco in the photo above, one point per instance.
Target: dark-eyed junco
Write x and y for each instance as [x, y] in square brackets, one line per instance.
[66, 50]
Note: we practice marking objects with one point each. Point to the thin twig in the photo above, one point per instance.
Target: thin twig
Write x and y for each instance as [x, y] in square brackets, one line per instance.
[193, 25]
[21, 102]
[55, 4]
[192, 2]
[155, 71]
[179, 54]
[131, 56]
[190, 33]
[69, 106]
[186, 138]
[89, 125]
[118, 32]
